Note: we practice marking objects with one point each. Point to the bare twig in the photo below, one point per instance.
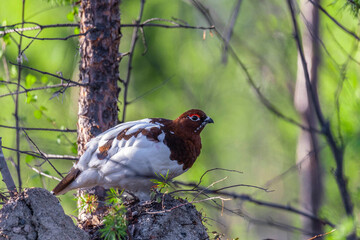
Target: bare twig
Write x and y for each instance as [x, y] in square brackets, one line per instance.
[149, 91]
[63, 86]
[248, 198]
[48, 156]
[335, 21]
[230, 29]
[134, 39]
[61, 157]
[337, 150]
[180, 205]
[37, 27]
[50, 74]
[43, 174]
[55, 38]
[216, 169]
[40, 129]
[40, 152]
[321, 235]
[138, 25]
[6, 174]
[16, 113]
[271, 107]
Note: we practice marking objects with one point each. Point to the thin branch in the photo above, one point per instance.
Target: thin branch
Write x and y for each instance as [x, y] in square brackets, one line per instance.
[62, 85]
[43, 174]
[321, 235]
[59, 38]
[134, 39]
[37, 27]
[48, 156]
[215, 169]
[40, 129]
[335, 21]
[149, 91]
[337, 151]
[6, 175]
[250, 80]
[248, 198]
[40, 152]
[138, 25]
[62, 157]
[230, 29]
[16, 112]
[192, 202]
[50, 74]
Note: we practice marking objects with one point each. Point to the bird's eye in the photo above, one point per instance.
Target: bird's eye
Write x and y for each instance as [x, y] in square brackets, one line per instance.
[194, 117]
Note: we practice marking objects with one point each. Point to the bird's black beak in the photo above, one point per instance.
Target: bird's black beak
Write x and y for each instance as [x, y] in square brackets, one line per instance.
[209, 120]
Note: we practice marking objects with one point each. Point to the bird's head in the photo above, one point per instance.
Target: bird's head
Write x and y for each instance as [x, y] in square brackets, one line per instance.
[193, 121]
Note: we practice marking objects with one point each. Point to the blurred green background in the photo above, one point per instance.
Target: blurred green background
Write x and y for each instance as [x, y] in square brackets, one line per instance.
[245, 137]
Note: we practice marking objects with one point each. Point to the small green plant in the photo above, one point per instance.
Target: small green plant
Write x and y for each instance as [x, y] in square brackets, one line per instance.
[115, 224]
[161, 182]
[89, 202]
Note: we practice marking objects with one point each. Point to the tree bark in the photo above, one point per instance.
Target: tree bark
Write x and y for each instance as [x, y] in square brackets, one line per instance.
[99, 70]
[311, 189]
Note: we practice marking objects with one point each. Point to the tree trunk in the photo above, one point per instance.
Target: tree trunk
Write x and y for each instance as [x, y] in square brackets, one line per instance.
[311, 189]
[99, 69]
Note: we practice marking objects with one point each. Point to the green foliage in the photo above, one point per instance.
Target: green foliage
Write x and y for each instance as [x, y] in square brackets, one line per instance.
[162, 182]
[30, 98]
[354, 6]
[76, 30]
[344, 229]
[74, 12]
[89, 202]
[29, 158]
[115, 224]
[74, 148]
[13, 71]
[44, 79]
[30, 80]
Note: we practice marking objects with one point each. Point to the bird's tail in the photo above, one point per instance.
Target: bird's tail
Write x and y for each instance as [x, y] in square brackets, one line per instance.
[61, 188]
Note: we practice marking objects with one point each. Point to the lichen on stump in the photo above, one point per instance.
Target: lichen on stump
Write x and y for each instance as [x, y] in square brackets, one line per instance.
[37, 214]
[167, 219]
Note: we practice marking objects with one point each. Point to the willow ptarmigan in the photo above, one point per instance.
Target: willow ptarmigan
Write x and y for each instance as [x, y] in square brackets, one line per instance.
[128, 155]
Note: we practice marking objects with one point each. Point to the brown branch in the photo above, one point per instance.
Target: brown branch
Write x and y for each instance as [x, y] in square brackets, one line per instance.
[48, 156]
[134, 39]
[249, 79]
[6, 175]
[137, 25]
[42, 173]
[59, 38]
[41, 154]
[40, 129]
[149, 91]
[337, 150]
[37, 27]
[335, 21]
[16, 112]
[62, 85]
[50, 74]
[230, 29]
[61, 157]
[248, 198]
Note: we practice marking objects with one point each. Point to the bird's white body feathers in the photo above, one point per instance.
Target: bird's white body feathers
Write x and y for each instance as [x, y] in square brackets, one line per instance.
[129, 164]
